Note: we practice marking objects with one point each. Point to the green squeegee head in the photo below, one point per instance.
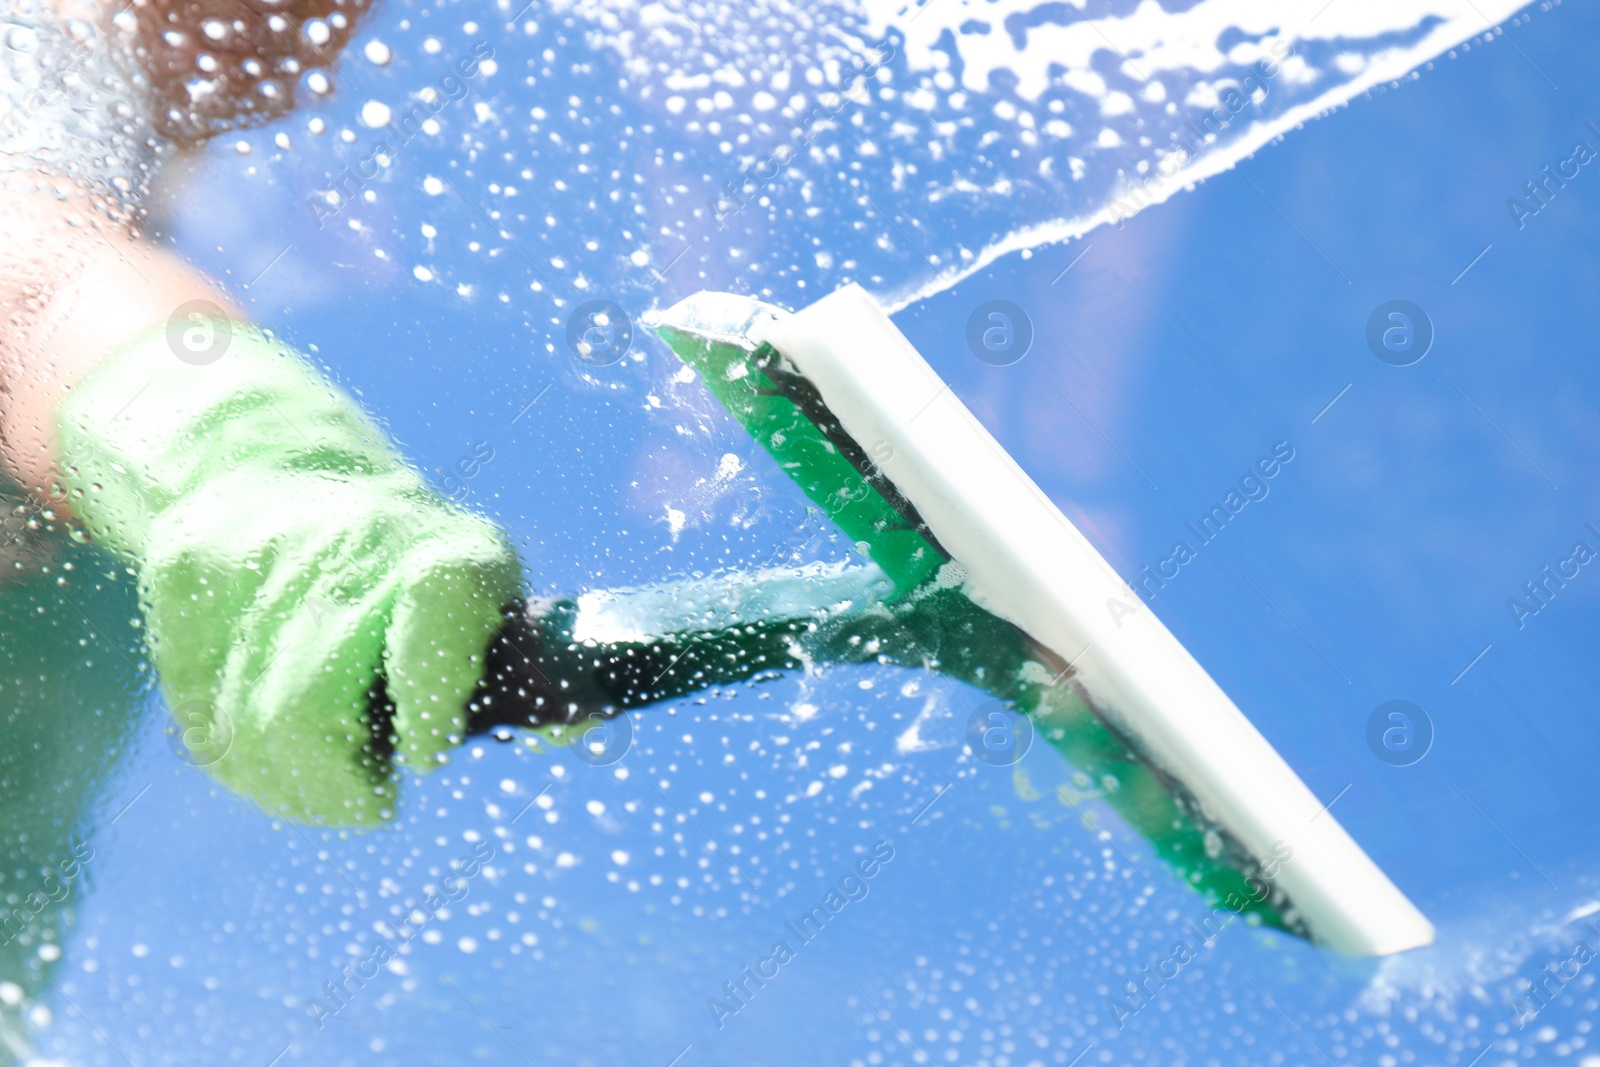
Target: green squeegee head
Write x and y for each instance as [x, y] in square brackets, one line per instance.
[784, 413]
[856, 417]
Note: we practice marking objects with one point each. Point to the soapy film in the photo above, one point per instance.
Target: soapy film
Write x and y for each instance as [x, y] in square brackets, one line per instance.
[927, 140]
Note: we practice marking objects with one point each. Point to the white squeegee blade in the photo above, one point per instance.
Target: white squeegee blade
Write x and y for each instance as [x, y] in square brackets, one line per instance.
[1028, 564]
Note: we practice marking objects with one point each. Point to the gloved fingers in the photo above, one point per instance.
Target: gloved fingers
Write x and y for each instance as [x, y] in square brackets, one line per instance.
[305, 742]
[271, 601]
[288, 724]
[453, 591]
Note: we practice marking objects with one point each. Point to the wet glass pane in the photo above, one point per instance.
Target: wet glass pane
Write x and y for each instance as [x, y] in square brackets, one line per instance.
[414, 651]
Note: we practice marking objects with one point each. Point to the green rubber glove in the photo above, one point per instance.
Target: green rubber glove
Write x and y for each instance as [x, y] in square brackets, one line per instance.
[289, 563]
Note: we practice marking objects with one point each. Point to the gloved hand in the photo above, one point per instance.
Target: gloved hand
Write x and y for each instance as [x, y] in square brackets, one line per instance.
[296, 576]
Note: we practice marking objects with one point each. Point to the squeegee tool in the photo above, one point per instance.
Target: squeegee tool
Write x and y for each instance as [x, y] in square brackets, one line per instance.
[871, 433]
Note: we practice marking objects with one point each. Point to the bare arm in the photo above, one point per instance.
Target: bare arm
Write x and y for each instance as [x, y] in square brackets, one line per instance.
[74, 287]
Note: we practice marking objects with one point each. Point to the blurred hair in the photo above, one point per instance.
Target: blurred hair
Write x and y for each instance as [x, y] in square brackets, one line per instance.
[221, 65]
